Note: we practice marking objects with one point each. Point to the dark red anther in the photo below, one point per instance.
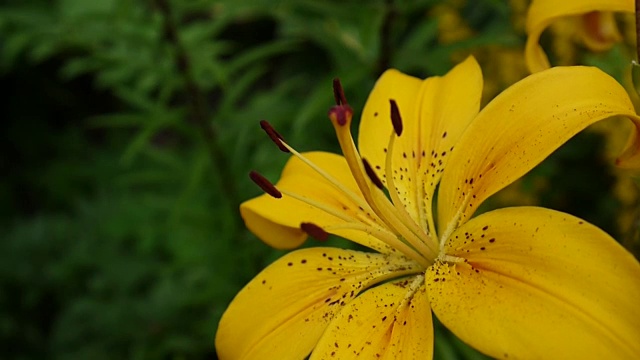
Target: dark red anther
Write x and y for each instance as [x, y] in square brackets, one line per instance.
[342, 114]
[314, 231]
[273, 135]
[372, 174]
[265, 184]
[396, 120]
[338, 92]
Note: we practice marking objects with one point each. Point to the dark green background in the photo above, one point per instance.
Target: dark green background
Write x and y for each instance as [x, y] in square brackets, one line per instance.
[128, 131]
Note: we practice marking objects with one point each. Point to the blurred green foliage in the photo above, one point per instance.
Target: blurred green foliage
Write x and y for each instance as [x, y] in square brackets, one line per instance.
[129, 129]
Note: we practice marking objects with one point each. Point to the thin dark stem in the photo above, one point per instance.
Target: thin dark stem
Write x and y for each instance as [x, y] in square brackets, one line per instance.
[638, 30]
[198, 107]
[385, 36]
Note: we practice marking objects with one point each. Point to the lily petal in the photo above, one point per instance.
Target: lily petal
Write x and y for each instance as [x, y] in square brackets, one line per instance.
[435, 112]
[448, 106]
[543, 12]
[536, 282]
[284, 310]
[520, 128]
[391, 321]
[277, 221]
[599, 31]
[376, 129]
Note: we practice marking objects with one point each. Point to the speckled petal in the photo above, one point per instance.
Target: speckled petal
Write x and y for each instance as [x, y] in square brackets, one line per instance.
[520, 128]
[277, 221]
[283, 311]
[391, 321]
[543, 12]
[376, 128]
[537, 283]
[435, 112]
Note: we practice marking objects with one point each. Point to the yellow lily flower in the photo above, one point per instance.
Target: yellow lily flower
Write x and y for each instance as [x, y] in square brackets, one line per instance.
[597, 28]
[521, 282]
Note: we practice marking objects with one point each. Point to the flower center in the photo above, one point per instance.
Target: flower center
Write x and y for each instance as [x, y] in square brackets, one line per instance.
[390, 210]
[381, 216]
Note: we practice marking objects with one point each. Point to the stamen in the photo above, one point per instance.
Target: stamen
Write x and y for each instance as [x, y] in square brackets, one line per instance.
[375, 197]
[375, 202]
[396, 120]
[314, 231]
[425, 242]
[372, 174]
[338, 92]
[265, 184]
[402, 225]
[386, 238]
[343, 215]
[333, 181]
[273, 135]
[383, 235]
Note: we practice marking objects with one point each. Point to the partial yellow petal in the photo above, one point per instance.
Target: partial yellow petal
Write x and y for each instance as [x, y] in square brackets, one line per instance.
[448, 105]
[376, 129]
[270, 231]
[543, 12]
[391, 321]
[520, 128]
[599, 31]
[435, 113]
[375, 122]
[277, 221]
[537, 283]
[283, 311]
[628, 158]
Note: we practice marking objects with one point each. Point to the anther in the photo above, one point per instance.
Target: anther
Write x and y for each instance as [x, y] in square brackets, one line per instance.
[273, 135]
[372, 174]
[314, 231]
[338, 92]
[265, 184]
[396, 120]
[341, 114]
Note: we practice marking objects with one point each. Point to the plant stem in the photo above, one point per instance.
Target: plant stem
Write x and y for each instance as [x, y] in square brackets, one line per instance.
[385, 36]
[637, 30]
[198, 106]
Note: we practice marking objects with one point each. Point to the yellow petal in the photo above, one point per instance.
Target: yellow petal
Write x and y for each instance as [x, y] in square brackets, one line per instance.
[376, 128]
[283, 311]
[277, 221]
[391, 321]
[447, 106]
[434, 113]
[599, 31]
[520, 128]
[543, 12]
[537, 283]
